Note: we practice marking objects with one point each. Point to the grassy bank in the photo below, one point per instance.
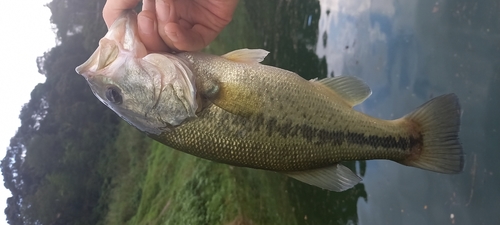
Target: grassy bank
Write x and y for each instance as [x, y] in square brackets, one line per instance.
[154, 184]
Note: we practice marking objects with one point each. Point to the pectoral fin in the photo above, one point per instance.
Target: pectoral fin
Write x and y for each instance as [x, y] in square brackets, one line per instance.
[335, 178]
[246, 55]
[351, 89]
[236, 99]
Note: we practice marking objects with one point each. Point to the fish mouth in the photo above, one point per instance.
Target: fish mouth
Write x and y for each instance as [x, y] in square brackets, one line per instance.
[125, 32]
[121, 41]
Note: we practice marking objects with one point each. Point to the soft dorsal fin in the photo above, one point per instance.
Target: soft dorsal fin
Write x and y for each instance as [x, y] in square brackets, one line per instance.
[351, 89]
[335, 178]
[246, 55]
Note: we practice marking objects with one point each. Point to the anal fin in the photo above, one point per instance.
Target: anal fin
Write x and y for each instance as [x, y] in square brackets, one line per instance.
[335, 178]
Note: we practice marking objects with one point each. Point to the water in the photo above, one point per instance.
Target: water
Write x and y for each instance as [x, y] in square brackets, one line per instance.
[407, 52]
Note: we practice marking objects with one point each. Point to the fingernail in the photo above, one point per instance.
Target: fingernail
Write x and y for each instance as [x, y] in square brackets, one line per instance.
[174, 36]
[146, 25]
[163, 10]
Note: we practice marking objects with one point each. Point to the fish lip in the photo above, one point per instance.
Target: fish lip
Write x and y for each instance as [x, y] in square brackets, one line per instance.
[126, 24]
[123, 37]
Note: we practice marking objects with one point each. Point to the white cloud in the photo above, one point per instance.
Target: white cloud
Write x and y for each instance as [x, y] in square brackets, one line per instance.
[347, 24]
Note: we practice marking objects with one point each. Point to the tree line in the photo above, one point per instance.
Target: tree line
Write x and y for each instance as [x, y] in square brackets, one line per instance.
[52, 163]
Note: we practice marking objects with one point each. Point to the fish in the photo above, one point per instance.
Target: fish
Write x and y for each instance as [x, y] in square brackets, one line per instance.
[235, 110]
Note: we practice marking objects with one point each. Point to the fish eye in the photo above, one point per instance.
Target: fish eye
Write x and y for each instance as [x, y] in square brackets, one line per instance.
[113, 94]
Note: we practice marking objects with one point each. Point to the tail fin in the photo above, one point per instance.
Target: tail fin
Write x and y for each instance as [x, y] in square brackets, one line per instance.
[439, 121]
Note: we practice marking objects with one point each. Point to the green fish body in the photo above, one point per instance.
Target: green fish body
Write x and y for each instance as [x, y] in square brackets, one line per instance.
[234, 110]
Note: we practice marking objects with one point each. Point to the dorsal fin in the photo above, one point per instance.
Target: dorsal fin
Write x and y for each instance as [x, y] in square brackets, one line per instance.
[246, 55]
[351, 89]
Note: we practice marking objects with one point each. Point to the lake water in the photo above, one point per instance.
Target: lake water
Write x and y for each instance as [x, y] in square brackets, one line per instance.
[407, 52]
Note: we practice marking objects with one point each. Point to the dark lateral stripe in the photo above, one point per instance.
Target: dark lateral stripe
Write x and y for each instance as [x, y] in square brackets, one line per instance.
[335, 138]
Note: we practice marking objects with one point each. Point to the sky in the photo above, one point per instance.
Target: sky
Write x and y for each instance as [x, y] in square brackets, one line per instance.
[26, 34]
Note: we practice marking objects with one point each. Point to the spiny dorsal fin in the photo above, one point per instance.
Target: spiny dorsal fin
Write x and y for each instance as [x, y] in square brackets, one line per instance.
[351, 89]
[246, 55]
[335, 178]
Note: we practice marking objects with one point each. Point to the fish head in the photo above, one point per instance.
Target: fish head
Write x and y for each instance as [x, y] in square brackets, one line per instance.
[153, 92]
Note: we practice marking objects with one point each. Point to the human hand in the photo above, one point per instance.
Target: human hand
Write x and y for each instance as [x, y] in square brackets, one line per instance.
[175, 25]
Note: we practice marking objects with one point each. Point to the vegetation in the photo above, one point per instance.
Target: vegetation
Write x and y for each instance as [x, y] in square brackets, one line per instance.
[73, 161]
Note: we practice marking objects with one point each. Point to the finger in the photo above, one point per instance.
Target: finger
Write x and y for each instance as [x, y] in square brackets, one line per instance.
[166, 13]
[148, 32]
[165, 10]
[222, 9]
[114, 8]
[148, 5]
[194, 39]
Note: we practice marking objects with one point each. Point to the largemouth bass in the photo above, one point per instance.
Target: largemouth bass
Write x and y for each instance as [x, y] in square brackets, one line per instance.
[234, 110]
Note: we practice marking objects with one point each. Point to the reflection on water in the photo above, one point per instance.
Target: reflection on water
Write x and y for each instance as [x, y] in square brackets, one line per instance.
[408, 52]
